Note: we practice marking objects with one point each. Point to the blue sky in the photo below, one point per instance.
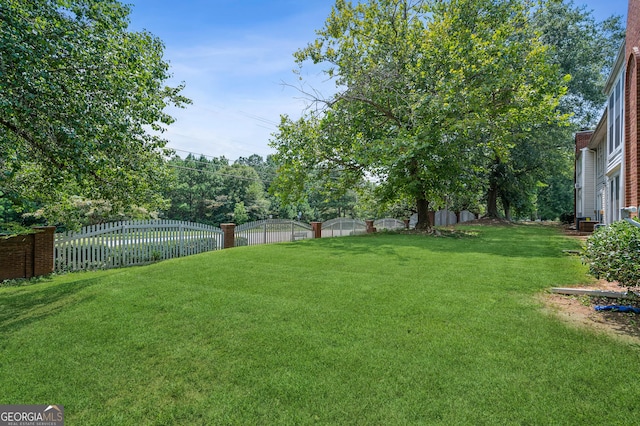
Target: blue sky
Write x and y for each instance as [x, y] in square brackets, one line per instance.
[235, 57]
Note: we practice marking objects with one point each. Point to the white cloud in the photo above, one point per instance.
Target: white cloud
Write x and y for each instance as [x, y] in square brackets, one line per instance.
[239, 90]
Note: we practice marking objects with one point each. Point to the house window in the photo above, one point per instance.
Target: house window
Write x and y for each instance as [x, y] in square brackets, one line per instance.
[600, 162]
[616, 107]
[614, 198]
[618, 114]
[610, 119]
[598, 213]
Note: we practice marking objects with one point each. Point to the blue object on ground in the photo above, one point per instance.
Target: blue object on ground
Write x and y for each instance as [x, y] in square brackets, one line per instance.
[618, 308]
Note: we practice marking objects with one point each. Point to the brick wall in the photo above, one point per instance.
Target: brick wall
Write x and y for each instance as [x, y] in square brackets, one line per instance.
[631, 116]
[26, 256]
[582, 140]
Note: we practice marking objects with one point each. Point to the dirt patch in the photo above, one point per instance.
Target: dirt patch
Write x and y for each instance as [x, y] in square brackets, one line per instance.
[580, 311]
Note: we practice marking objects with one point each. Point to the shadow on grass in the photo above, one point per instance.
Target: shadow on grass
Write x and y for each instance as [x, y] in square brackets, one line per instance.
[23, 307]
[521, 241]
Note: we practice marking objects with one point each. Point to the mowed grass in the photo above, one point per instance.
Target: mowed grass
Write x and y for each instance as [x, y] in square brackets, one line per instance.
[384, 329]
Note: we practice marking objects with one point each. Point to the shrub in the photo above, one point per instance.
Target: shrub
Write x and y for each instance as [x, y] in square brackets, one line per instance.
[613, 253]
[567, 218]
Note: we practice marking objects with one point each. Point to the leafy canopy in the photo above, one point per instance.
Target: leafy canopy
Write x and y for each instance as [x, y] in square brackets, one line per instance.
[79, 94]
[427, 91]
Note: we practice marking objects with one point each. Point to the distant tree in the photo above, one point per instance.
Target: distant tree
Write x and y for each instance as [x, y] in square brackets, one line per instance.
[429, 93]
[583, 48]
[240, 183]
[555, 193]
[78, 95]
[240, 215]
[197, 185]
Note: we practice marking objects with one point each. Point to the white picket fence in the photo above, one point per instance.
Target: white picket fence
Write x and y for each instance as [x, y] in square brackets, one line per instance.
[271, 231]
[281, 230]
[343, 226]
[388, 224]
[117, 244]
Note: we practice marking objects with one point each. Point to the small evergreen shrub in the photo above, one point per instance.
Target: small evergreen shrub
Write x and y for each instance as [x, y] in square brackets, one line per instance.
[613, 253]
[567, 218]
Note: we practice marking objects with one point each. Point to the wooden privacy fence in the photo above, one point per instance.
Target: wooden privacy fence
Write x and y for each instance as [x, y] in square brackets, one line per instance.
[117, 244]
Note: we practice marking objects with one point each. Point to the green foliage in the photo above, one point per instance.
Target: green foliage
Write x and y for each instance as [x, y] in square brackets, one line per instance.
[536, 179]
[555, 195]
[427, 92]
[193, 197]
[78, 95]
[583, 48]
[240, 215]
[242, 183]
[74, 212]
[13, 208]
[613, 253]
[210, 190]
[10, 229]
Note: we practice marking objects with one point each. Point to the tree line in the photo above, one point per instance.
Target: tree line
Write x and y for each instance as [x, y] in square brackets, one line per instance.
[468, 104]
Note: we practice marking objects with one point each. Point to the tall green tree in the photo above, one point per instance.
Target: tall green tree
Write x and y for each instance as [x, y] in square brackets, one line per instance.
[78, 95]
[196, 185]
[582, 47]
[427, 92]
[585, 49]
[241, 184]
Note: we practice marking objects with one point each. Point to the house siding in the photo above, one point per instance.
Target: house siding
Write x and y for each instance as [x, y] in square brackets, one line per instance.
[581, 141]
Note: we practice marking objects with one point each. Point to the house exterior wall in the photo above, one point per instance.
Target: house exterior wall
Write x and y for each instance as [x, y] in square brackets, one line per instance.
[600, 187]
[613, 195]
[619, 187]
[632, 148]
[585, 184]
[582, 141]
[589, 194]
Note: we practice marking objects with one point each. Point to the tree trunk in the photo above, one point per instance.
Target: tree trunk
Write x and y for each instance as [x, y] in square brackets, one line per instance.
[422, 206]
[492, 201]
[492, 195]
[507, 209]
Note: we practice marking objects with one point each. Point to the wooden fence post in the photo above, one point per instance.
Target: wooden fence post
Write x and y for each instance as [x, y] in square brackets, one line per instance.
[229, 230]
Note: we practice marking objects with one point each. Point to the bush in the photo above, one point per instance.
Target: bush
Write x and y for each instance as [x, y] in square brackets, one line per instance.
[567, 218]
[613, 253]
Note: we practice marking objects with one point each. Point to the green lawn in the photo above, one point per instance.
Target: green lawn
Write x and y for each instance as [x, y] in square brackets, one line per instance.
[384, 329]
